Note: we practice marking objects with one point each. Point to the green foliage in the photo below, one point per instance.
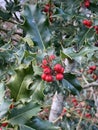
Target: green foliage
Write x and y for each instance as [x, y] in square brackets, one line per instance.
[23, 114]
[36, 25]
[40, 124]
[20, 82]
[36, 37]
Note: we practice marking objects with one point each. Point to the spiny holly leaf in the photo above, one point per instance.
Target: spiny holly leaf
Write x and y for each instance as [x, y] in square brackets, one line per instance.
[35, 25]
[37, 90]
[72, 54]
[20, 82]
[71, 84]
[39, 124]
[73, 80]
[5, 15]
[22, 115]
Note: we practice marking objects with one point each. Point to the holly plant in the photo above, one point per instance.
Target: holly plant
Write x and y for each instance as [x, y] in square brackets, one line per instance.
[49, 65]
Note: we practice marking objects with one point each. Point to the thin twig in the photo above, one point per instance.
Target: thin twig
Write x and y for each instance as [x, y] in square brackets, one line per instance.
[93, 84]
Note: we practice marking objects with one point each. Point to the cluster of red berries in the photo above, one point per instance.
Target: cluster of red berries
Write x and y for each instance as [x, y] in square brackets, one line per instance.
[86, 3]
[51, 72]
[79, 108]
[88, 24]
[48, 10]
[91, 71]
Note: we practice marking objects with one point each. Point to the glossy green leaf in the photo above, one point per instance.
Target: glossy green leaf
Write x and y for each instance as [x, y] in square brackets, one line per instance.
[71, 83]
[35, 25]
[20, 82]
[22, 115]
[73, 80]
[40, 124]
[37, 90]
[37, 70]
[71, 53]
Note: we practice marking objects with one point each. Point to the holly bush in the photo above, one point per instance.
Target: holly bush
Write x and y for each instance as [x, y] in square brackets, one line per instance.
[49, 65]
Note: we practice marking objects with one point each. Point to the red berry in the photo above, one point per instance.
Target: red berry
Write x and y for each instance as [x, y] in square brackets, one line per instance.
[43, 76]
[51, 57]
[62, 70]
[75, 104]
[87, 23]
[74, 100]
[49, 78]
[93, 67]
[87, 3]
[44, 62]
[88, 107]
[58, 68]
[96, 27]
[88, 115]
[46, 8]
[94, 77]
[0, 128]
[4, 124]
[64, 110]
[79, 112]
[44, 66]
[59, 76]
[90, 71]
[11, 106]
[47, 70]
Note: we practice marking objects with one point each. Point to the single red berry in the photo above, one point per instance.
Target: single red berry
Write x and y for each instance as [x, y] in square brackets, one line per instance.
[44, 66]
[43, 76]
[47, 70]
[58, 67]
[75, 104]
[79, 112]
[88, 115]
[94, 77]
[88, 107]
[46, 8]
[87, 23]
[62, 70]
[59, 76]
[87, 3]
[74, 100]
[93, 67]
[44, 62]
[51, 57]
[49, 78]
[11, 106]
[64, 110]
[96, 27]
[4, 124]
[90, 71]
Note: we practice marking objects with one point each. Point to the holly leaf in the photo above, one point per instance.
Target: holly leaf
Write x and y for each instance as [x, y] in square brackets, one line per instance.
[35, 25]
[37, 90]
[39, 124]
[20, 82]
[71, 84]
[22, 115]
